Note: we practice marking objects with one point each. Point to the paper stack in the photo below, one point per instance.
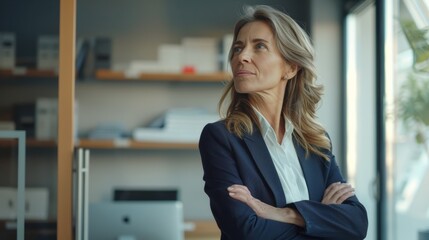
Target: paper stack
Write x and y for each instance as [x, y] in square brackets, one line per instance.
[107, 131]
[176, 125]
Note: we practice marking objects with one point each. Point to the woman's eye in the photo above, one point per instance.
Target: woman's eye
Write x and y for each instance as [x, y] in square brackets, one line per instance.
[261, 46]
[236, 49]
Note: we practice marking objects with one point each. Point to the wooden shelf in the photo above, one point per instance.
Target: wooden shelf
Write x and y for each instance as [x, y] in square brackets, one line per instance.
[28, 73]
[203, 229]
[109, 75]
[133, 144]
[173, 77]
[105, 144]
[30, 142]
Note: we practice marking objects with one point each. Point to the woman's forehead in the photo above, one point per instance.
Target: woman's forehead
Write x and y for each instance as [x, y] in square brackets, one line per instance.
[255, 30]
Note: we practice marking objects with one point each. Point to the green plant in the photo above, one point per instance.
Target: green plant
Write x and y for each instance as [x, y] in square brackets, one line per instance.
[413, 104]
[419, 43]
[413, 107]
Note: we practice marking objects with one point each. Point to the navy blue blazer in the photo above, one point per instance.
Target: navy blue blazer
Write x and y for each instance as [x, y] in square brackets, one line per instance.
[228, 159]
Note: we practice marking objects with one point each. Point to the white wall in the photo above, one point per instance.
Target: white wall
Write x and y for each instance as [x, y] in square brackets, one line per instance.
[326, 35]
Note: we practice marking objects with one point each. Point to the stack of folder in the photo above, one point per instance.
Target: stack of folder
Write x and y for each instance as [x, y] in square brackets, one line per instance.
[176, 125]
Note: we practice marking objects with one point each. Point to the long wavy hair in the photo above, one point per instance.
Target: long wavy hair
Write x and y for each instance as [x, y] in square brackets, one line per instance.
[302, 95]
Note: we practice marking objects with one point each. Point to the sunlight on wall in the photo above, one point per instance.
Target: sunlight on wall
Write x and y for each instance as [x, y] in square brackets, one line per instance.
[351, 100]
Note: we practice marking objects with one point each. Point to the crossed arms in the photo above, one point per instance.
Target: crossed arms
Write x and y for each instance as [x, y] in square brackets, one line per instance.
[254, 213]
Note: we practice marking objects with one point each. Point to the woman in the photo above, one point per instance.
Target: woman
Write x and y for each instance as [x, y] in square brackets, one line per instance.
[268, 167]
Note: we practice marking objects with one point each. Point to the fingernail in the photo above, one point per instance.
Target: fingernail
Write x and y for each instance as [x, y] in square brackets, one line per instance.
[230, 188]
[231, 194]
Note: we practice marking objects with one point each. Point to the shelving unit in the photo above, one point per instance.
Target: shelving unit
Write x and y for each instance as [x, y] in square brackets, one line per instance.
[110, 75]
[107, 144]
[175, 77]
[133, 144]
[30, 142]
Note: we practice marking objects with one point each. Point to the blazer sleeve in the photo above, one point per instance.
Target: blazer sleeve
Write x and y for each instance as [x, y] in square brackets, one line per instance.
[334, 221]
[235, 219]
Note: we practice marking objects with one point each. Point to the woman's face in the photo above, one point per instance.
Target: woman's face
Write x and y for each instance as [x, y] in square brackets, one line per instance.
[257, 65]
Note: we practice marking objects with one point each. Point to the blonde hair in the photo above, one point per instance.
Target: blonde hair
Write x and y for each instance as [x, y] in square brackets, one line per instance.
[302, 94]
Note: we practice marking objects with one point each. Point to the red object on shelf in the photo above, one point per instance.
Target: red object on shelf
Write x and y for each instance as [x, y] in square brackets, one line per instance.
[188, 69]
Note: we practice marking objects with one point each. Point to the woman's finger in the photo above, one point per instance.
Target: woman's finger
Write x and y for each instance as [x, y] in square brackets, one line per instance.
[240, 192]
[345, 196]
[237, 187]
[337, 193]
[331, 189]
[341, 192]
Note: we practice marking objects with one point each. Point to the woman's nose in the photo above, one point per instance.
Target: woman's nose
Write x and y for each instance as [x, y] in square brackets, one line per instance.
[244, 56]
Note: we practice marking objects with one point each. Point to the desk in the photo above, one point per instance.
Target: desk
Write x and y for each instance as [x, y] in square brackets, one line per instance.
[203, 230]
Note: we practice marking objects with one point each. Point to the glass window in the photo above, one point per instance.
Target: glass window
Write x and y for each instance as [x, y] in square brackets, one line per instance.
[407, 118]
[361, 104]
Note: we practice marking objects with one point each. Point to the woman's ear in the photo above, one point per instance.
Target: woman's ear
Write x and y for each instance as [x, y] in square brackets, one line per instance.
[290, 71]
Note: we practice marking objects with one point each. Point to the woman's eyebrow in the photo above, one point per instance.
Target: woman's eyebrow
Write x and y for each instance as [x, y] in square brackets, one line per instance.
[259, 40]
[238, 42]
[255, 40]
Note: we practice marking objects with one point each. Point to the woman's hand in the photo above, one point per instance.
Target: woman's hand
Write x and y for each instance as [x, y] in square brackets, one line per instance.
[337, 193]
[287, 215]
[242, 193]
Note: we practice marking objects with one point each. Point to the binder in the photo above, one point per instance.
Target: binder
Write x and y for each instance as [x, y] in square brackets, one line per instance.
[24, 117]
[46, 118]
[7, 50]
[47, 52]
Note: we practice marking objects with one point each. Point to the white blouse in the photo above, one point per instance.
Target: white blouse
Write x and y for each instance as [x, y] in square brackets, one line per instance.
[285, 160]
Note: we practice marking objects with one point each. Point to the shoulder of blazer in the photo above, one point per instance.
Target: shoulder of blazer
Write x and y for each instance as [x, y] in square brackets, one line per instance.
[219, 127]
[216, 128]
[220, 124]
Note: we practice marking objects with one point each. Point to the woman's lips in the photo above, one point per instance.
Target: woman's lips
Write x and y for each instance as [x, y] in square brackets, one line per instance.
[243, 73]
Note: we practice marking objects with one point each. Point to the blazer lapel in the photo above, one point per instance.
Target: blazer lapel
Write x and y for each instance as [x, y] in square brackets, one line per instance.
[312, 171]
[263, 160]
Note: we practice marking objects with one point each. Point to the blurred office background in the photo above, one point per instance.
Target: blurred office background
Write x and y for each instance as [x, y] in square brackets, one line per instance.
[133, 88]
